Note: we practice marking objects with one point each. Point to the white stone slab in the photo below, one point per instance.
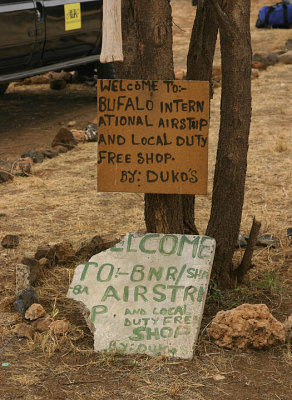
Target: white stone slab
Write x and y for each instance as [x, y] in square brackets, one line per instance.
[147, 294]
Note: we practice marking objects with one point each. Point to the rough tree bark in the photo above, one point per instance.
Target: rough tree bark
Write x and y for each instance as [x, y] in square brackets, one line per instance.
[147, 43]
[231, 161]
[199, 68]
[147, 33]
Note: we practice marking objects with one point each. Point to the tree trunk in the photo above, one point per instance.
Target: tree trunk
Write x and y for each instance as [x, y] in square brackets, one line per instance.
[147, 44]
[200, 64]
[202, 43]
[231, 162]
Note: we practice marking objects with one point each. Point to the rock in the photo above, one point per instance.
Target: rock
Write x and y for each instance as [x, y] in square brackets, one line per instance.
[23, 166]
[35, 311]
[3, 215]
[6, 303]
[64, 137]
[63, 75]
[217, 72]
[216, 76]
[51, 153]
[41, 79]
[64, 252]
[61, 149]
[67, 76]
[216, 84]
[58, 253]
[5, 176]
[286, 58]
[22, 277]
[79, 135]
[6, 166]
[97, 244]
[246, 326]
[24, 330]
[45, 263]
[23, 82]
[35, 80]
[59, 327]
[254, 74]
[58, 84]
[258, 65]
[24, 300]
[42, 324]
[10, 241]
[267, 241]
[45, 251]
[36, 155]
[180, 74]
[289, 233]
[91, 132]
[288, 328]
[266, 58]
[241, 241]
[71, 123]
[288, 44]
[35, 269]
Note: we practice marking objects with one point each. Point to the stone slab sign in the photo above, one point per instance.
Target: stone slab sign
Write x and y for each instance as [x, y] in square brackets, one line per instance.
[152, 136]
[146, 294]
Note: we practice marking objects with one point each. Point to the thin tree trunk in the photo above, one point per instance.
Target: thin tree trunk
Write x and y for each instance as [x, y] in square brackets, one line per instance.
[200, 64]
[147, 44]
[202, 43]
[163, 213]
[245, 264]
[231, 162]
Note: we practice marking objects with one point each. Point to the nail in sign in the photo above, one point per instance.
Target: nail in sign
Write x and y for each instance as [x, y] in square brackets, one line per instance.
[153, 136]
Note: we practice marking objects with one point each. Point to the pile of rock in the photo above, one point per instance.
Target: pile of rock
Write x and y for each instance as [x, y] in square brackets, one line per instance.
[37, 320]
[31, 269]
[65, 140]
[265, 59]
[260, 61]
[56, 80]
[49, 255]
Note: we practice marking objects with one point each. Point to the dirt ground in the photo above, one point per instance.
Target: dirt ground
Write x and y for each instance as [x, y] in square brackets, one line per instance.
[59, 202]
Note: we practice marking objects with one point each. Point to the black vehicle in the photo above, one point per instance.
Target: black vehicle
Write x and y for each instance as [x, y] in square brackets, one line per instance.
[47, 35]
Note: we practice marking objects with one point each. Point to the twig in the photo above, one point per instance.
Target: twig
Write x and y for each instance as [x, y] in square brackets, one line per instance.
[178, 26]
[79, 382]
[246, 259]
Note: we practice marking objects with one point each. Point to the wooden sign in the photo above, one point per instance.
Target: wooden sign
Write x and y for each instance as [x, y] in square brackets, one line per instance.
[153, 136]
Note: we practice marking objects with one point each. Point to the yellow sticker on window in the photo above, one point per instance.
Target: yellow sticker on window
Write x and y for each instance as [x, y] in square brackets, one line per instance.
[72, 16]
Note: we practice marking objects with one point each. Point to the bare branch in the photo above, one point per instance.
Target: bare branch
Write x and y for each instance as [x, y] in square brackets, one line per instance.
[246, 259]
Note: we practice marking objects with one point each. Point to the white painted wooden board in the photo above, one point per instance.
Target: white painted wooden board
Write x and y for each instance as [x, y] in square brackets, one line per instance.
[112, 48]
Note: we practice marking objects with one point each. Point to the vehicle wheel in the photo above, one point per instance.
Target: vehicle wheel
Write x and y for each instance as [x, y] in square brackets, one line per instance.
[3, 88]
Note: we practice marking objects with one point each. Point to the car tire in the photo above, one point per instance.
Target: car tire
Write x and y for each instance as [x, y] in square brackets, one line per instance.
[3, 88]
